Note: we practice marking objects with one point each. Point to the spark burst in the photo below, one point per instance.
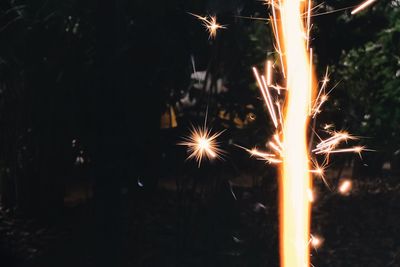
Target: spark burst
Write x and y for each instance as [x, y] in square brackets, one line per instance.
[211, 25]
[201, 143]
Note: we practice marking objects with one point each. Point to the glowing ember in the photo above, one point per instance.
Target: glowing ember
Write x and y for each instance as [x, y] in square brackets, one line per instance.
[202, 144]
[345, 187]
[316, 241]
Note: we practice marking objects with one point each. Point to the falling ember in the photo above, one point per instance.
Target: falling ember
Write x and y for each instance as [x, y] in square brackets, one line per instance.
[345, 187]
[296, 184]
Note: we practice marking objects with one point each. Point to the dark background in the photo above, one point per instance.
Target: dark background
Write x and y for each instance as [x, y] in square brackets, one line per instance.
[89, 178]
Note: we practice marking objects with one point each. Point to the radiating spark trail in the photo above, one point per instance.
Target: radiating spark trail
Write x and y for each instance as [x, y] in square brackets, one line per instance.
[296, 182]
[210, 23]
[266, 96]
[309, 26]
[270, 158]
[362, 6]
[327, 145]
[276, 32]
[356, 149]
[202, 144]
[270, 101]
[310, 80]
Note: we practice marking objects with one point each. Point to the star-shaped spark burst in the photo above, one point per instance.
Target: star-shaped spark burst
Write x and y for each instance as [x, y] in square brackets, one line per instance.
[210, 23]
[201, 143]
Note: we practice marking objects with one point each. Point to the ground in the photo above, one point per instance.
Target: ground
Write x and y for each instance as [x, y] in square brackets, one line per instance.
[230, 222]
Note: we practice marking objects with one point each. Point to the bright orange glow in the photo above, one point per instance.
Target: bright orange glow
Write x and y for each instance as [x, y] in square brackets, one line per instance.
[345, 187]
[296, 183]
[316, 241]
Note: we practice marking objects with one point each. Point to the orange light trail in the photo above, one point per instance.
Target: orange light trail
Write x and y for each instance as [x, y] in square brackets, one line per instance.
[362, 6]
[296, 183]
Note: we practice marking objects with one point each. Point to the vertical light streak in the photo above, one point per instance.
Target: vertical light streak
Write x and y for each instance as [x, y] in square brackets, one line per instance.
[270, 101]
[308, 24]
[310, 81]
[296, 182]
[276, 31]
[266, 96]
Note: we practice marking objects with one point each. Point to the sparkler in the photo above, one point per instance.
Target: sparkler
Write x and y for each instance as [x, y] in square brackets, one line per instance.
[296, 183]
[291, 26]
[296, 193]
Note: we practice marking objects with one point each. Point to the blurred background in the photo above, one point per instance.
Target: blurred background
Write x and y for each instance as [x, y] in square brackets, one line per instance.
[95, 96]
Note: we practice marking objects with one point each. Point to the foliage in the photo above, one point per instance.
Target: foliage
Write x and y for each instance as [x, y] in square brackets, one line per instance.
[370, 82]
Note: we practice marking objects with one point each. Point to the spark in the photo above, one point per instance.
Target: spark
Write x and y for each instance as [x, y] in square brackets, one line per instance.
[319, 170]
[201, 143]
[266, 96]
[322, 97]
[275, 29]
[211, 25]
[356, 149]
[268, 157]
[316, 241]
[362, 6]
[270, 101]
[310, 80]
[328, 145]
[278, 105]
[275, 147]
[345, 187]
[310, 195]
[309, 26]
